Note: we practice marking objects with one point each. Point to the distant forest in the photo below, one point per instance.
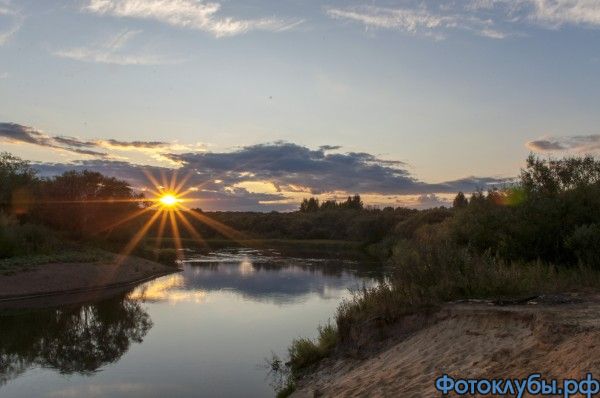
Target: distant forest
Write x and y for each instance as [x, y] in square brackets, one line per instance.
[552, 214]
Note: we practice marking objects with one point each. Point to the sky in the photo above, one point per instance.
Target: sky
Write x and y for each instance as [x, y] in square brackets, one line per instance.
[262, 103]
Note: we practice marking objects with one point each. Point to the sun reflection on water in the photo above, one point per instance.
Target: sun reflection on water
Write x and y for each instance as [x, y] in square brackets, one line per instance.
[168, 288]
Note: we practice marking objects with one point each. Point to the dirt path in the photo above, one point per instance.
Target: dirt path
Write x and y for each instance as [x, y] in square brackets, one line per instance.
[71, 277]
[471, 340]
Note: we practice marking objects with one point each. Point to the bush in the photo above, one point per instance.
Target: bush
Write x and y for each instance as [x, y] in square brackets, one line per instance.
[428, 273]
[305, 352]
[17, 239]
[585, 242]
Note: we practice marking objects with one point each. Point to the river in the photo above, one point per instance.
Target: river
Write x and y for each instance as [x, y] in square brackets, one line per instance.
[204, 332]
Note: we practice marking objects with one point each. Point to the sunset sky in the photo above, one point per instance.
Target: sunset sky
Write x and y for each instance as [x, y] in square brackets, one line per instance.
[267, 102]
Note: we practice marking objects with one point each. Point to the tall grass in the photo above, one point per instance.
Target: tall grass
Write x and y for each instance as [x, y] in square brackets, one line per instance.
[427, 274]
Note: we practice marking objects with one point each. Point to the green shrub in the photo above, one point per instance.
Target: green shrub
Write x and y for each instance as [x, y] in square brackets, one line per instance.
[305, 352]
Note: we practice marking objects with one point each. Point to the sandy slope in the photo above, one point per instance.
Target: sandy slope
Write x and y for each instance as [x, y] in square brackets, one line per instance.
[62, 277]
[471, 340]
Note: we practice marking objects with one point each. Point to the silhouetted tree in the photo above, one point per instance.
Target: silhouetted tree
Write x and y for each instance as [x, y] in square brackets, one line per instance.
[84, 203]
[460, 201]
[309, 205]
[17, 180]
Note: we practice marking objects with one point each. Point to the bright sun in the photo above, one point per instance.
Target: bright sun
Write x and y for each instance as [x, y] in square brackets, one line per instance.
[168, 200]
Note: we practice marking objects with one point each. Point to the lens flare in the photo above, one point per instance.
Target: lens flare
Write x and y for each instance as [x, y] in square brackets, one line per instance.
[168, 200]
[168, 210]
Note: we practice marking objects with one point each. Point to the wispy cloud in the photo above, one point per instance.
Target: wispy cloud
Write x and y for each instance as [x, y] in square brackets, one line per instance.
[115, 51]
[495, 19]
[3, 75]
[189, 14]
[418, 20]
[552, 13]
[10, 22]
[575, 144]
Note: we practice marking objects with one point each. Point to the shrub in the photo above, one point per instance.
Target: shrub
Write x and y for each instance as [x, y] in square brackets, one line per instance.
[585, 242]
[305, 352]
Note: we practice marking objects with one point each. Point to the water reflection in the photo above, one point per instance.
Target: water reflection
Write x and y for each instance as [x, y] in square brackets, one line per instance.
[79, 339]
[256, 275]
[212, 325]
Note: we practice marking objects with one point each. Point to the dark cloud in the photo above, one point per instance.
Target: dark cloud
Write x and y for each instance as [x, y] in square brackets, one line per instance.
[29, 135]
[138, 144]
[329, 147]
[75, 142]
[580, 143]
[289, 167]
[210, 195]
[18, 133]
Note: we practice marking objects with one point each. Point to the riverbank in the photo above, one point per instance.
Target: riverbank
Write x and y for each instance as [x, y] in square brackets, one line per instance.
[554, 335]
[59, 278]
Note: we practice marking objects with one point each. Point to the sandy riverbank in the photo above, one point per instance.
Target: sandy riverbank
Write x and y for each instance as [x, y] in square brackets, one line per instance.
[65, 278]
[470, 340]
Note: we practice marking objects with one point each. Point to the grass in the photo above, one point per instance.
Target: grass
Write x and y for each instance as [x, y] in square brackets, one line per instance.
[23, 246]
[303, 354]
[425, 276]
[23, 262]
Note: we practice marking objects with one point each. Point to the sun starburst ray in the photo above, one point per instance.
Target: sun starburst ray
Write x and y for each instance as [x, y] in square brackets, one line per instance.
[136, 238]
[221, 228]
[176, 235]
[190, 228]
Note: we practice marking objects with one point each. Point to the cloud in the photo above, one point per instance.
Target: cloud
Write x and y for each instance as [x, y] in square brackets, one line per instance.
[3, 75]
[289, 166]
[224, 180]
[255, 177]
[496, 19]
[418, 20]
[10, 22]
[14, 132]
[209, 196]
[17, 133]
[428, 201]
[577, 144]
[561, 12]
[329, 147]
[114, 51]
[136, 144]
[188, 14]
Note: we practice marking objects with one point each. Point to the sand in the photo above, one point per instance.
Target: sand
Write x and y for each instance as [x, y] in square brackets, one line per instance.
[470, 340]
[65, 278]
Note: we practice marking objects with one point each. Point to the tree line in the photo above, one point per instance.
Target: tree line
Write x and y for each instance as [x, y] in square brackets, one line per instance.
[550, 213]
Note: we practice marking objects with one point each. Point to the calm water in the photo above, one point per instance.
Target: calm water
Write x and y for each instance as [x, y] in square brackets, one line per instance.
[203, 332]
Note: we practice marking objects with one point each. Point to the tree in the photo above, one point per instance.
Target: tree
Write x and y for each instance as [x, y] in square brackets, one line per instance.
[85, 203]
[309, 205]
[460, 201]
[17, 179]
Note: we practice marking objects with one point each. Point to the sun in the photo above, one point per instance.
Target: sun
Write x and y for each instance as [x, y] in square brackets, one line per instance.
[167, 209]
[168, 200]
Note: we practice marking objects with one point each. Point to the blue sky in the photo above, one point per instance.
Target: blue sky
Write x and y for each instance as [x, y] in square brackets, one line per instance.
[434, 92]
